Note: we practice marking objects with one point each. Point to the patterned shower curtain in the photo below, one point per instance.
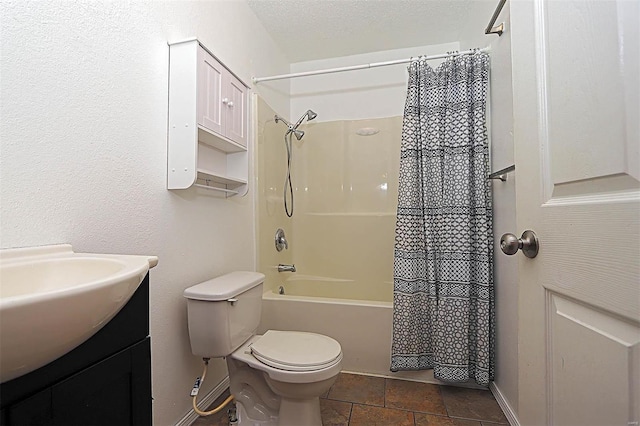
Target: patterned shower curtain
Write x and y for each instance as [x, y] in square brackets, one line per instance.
[443, 305]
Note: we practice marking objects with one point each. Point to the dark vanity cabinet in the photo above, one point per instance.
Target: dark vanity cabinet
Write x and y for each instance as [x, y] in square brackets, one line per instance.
[104, 381]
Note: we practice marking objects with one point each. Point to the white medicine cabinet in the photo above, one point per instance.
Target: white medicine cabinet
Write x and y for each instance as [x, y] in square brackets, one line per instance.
[208, 122]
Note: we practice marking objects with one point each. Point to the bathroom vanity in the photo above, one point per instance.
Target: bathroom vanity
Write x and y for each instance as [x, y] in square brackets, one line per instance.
[104, 381]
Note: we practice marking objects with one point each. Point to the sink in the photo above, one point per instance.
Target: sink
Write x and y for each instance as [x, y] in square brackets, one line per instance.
[53, 299]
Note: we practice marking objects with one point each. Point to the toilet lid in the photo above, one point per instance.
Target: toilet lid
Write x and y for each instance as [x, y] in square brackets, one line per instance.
[296, 351]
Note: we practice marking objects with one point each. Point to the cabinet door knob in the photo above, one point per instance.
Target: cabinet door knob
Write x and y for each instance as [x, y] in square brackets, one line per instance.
[225, 101]
[230, 104]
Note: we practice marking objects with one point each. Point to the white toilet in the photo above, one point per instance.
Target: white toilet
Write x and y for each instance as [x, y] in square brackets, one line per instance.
[276, 378]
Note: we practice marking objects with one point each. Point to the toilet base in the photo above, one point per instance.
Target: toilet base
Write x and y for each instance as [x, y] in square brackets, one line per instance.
[245, 420]
[292, 413]
[296, 412]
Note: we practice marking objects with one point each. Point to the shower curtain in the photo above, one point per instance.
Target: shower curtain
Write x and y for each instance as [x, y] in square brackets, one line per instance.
[443, 306]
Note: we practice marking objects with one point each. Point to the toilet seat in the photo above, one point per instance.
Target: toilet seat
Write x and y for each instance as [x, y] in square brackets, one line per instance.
[296, 351]
[245, 354]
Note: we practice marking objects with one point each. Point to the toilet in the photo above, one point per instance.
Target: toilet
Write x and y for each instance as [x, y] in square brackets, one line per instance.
[276, 378]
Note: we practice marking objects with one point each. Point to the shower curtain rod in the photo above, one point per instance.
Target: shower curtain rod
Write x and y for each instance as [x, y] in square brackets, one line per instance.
[257, 80]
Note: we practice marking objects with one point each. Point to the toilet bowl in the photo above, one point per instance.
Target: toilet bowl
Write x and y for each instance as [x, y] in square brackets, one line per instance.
[297, 367]
[276, 378]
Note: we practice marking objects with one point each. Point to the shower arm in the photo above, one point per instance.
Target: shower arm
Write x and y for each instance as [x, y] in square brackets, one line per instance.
[299, 122]
[294, 127]
[278, 118]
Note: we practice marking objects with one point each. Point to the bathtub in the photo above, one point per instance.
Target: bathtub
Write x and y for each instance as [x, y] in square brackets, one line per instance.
[363, 327]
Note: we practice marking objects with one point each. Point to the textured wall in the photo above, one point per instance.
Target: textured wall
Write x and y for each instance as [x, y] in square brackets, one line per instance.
[83, 151]
[356, 95]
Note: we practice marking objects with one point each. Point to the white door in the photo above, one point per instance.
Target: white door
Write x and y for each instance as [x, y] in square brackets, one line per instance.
[576, 121]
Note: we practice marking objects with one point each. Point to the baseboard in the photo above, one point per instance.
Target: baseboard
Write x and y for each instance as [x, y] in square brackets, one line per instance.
[502, 402]
[420, 377]
[192, 416]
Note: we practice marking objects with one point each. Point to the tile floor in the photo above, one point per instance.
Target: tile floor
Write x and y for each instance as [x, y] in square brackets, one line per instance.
[358, 400]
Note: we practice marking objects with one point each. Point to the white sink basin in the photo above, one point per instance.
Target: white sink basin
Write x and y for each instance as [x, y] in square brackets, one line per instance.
[52, 300]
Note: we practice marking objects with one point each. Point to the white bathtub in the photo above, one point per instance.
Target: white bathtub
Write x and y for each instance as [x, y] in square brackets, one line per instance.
[362, 327]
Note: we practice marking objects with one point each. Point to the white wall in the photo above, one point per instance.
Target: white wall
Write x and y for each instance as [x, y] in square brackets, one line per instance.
[504, 199]
[83, 152]
[354, 95]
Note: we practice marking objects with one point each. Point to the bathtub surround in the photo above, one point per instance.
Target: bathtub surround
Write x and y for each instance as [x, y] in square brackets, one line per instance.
[341, 236]
[443, 306]
[271, 167]
[288, 135]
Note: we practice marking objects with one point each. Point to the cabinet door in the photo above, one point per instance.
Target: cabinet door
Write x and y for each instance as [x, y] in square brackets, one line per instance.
[236, 119]
[116, 391]
[211, 111]
[36, 410]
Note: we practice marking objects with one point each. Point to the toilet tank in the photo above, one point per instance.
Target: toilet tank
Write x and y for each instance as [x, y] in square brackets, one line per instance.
[223, 313]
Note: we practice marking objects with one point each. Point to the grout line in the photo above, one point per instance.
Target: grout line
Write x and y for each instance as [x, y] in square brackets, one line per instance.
[384, 393]
[357, 402]
[477, 420]
[446, 408]
[404, 409]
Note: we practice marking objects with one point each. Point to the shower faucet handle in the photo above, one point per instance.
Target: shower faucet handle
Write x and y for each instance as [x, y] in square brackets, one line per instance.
[281, 241]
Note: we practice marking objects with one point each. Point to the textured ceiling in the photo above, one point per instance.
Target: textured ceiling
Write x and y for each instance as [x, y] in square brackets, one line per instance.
[317, 29]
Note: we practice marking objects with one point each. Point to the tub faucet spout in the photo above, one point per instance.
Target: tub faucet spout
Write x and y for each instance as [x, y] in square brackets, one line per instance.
[286, 268]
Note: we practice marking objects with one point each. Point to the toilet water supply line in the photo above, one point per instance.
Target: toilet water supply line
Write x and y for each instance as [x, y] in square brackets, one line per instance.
[196, 388]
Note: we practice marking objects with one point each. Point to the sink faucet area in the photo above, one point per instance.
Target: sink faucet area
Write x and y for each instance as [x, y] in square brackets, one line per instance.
[53, 299]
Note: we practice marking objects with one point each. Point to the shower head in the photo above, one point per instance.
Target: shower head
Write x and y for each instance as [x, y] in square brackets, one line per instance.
[309, 115]
[298, 134]
[293, 128]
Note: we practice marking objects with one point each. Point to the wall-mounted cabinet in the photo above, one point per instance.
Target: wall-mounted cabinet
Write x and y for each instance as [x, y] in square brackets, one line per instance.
[208, 122]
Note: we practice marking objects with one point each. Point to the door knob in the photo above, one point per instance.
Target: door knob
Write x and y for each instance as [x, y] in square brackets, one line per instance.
[528, 243]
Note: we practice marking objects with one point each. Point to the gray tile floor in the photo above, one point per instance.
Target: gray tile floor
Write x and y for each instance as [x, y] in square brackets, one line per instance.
[360, 400]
